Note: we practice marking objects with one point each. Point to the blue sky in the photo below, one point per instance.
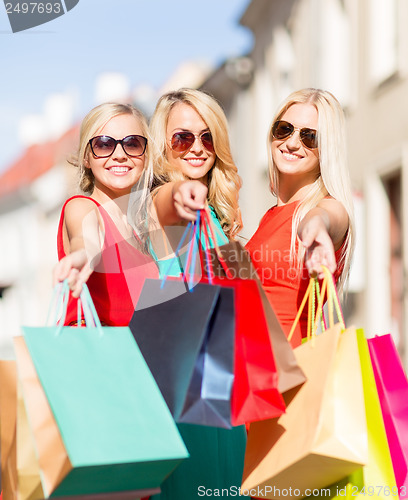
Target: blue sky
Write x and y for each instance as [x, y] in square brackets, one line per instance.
[145, 39]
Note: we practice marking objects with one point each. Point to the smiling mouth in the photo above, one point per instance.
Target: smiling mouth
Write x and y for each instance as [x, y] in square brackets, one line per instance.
[119, 170]
[195, 162]
[291, 156]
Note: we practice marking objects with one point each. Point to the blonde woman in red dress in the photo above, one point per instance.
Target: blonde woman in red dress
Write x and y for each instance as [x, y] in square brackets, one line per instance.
[95, 242]
[312, 222]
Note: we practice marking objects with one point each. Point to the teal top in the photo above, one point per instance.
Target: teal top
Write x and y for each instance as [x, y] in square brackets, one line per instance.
[172, 266]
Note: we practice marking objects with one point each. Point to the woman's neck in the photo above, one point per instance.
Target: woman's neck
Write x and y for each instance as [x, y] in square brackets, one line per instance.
[116, 202]
[291, 190]
[116, 207]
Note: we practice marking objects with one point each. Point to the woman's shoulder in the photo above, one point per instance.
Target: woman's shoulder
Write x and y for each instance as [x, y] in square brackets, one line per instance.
[78, 206]
[80, 201]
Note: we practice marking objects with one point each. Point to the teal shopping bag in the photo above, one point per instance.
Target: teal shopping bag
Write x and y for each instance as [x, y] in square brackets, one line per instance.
[115, 425]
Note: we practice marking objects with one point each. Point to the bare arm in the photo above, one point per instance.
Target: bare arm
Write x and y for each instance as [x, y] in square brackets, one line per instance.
[178, 201]
[322, 232]
[81, 244]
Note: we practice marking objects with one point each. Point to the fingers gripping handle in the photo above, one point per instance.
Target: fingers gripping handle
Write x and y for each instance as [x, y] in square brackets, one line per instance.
[59, 304]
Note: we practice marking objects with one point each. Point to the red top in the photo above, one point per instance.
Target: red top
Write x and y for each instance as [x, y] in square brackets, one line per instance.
[118, 278]
[284, 285]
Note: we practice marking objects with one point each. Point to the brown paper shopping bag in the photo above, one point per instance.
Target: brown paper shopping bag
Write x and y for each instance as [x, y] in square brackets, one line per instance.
[322, 437]
[52, 456]
[8, 419]
[28, 471]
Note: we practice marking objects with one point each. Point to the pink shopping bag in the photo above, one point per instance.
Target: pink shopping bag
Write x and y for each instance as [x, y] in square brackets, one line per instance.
[392, 387]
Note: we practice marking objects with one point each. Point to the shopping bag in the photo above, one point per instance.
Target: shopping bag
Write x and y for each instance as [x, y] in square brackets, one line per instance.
[322, 437]
[392, 386]
[44, 436]
[115, 428]
[376, 479]
[186, 338]
[8, 421]
[28, 471]
[186, 335]
[240, 266]
[255, 394]
[42, 432]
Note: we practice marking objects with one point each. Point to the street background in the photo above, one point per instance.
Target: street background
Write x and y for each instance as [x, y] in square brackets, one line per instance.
[249, 54]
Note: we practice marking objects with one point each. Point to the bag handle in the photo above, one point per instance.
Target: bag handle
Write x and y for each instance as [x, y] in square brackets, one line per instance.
[315, 313]
[201, 243]
[59, 303]
[212, 227]
[200, 230]
[188, 229]
[208, 222]
[191, 229]
[333, 299]
[59, 300]
[192, 252]
[204, 229]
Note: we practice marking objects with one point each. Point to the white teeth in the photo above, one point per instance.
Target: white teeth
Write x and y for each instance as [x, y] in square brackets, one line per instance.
[289, 156]
[196, 162]
[119, 170]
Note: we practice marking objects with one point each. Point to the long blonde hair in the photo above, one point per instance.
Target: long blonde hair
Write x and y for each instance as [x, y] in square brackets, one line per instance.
[334, 179]
[224, 181]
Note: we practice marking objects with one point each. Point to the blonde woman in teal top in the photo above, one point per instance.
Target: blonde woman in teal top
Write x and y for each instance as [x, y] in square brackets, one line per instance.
[193, 166]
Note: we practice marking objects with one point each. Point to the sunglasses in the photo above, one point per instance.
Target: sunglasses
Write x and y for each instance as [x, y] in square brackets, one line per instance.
[182, 141]
[103, 146]
[282, 130]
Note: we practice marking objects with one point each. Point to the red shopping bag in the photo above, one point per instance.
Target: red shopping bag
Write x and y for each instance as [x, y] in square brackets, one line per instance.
[392, 387]
[239, 263]
[255, 394]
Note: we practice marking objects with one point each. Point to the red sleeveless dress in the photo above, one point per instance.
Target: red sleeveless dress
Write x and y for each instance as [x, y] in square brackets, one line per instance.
[284, 285]
[118, 278]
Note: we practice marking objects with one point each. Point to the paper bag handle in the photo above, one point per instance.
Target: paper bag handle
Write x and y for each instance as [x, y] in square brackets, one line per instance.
[313, 315]
[316, 313]
[208, 222]
[59, 303]
[191, 254]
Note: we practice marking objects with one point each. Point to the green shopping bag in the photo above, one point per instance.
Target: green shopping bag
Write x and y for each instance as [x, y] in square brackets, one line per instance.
[115, 426]
[375, 480]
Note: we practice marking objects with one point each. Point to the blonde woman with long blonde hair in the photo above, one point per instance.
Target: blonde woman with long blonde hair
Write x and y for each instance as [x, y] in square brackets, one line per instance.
[193, 165]
[312, 223]
[95, 242]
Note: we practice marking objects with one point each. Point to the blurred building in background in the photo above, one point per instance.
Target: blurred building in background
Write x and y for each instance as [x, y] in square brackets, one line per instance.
[31, 193]
[358, 50]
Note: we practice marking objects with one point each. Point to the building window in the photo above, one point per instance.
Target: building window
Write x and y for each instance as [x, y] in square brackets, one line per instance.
[383, 40]
[335, 61]
[394, 193]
